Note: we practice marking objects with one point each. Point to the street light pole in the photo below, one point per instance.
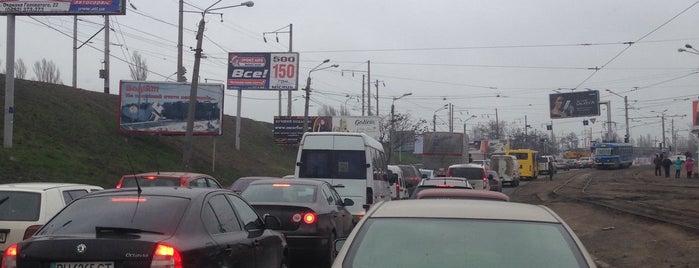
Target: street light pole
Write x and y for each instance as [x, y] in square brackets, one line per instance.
[308, 91]
[191, 111]
[393, 124]
[434, 117]
[627, 137]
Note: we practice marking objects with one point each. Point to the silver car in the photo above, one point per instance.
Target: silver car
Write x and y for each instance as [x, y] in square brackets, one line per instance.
[461, 233]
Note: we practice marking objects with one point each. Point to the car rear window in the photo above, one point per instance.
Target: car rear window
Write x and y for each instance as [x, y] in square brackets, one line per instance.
[280, 192]
[470, 173]
[150, 182]
[19, 206]
[119, 211]
[462, 243]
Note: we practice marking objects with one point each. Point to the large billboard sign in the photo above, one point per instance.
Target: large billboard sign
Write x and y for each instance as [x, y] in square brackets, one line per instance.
[575, 104]
[695, 114]
[62, 7]
[289, 129]
[161, 108]
[263, 71]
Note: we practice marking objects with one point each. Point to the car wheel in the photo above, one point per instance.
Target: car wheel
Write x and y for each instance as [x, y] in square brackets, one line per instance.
[331, 251]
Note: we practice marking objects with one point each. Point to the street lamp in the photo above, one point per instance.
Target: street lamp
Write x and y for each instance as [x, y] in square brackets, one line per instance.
[393, 124]
[308, 90]
[187, 152]
[662, 119]
[626, 114]
[434, 117]
[689, 49]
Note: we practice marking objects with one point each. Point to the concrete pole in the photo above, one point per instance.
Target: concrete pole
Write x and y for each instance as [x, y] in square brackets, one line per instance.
[368, 86]
[9, 83]
[75, 51]
[106, 54]
[180, 68]
[626, 115]
[288, 99]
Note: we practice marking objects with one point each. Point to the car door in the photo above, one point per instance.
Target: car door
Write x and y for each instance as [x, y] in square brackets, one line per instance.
[344, 219]
[233, 246]
[268, 244]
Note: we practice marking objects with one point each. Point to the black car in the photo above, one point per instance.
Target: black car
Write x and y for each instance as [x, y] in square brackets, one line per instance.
[312, 213]
[154, 227]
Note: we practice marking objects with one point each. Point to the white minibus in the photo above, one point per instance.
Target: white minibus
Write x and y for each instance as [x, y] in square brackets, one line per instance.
[353, 163]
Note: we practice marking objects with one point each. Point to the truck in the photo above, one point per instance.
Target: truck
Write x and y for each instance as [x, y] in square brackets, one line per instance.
[443, 149]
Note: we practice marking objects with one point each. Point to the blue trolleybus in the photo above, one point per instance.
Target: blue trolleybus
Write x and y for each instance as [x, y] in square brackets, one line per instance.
[612, 155]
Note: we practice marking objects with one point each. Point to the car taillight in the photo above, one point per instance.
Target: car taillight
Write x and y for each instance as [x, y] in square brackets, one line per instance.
[9, 259]
[485, 182]
[166, 257]
[307, 218]
[118, 186]
[29, 232]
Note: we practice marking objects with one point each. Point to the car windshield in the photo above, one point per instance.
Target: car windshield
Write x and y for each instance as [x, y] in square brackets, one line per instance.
[19, 206]
[462, 243]
[469, 173]
[127, 211]
[150, 182]
[280, 192]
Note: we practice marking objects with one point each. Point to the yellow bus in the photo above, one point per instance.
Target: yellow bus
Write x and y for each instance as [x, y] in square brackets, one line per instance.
[528, 161]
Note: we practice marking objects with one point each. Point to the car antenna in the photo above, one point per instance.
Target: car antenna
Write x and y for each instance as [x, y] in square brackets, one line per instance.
[133, 171]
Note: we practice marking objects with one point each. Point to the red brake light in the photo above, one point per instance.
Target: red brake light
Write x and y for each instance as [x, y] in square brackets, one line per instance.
[281, 185]
[307, 218]
[29, 232]
[9, 259]
[444, 186]
[166, 256]
[149, 177]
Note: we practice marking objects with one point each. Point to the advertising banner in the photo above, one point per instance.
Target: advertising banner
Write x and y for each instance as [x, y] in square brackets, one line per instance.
[263, 71]
[161, 108]
[62, 7]
[289, 129]
[574, 104]
[695, 114]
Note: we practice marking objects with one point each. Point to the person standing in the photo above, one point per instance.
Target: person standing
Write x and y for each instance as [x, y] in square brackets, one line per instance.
[658, 162]
[678, 167]
[666, 165]
[689, 167]
[551, 170]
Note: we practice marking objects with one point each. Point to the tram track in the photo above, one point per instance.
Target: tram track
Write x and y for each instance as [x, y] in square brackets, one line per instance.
[627, 191]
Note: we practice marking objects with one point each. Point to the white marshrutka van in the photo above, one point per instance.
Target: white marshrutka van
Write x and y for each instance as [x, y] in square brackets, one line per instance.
[353, 163]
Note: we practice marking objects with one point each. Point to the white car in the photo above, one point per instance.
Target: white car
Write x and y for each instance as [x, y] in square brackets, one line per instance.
[461, 233]
[399, 188]
[25, 207]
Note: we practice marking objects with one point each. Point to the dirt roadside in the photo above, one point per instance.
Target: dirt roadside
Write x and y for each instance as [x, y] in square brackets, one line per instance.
[617, 239]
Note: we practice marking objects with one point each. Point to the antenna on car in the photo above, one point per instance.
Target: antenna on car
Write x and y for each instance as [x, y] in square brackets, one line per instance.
[133, 171]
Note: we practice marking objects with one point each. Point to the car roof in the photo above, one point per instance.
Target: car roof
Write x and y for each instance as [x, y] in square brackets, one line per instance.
[44, 186]
[289, 181]
[471, 165]
[463, 209]
[186, 192]
[456, 193]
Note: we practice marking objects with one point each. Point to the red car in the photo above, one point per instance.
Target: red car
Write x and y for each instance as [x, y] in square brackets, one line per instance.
[177, 179]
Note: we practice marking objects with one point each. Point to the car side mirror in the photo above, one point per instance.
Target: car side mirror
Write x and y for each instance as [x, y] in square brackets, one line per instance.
[272, 222]
[298, 164]
[348, 202]
[337, 245]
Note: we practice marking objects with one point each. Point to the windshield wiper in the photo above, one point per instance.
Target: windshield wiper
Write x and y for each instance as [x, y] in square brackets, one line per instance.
[122, 230]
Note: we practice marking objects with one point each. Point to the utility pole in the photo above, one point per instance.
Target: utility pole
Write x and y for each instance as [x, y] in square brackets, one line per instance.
[106, 54]
[627, 138]
[662, 117]
[75, 51]
[363, 102]
[180, 67]
[368, 86]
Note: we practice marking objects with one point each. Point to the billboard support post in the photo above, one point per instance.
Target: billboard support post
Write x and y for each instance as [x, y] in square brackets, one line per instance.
[9, 83]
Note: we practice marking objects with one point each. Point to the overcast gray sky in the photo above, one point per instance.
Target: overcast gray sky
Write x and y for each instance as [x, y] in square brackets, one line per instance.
[462, 52]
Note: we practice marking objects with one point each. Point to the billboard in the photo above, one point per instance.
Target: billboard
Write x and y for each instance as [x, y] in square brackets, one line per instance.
[574, 104]
[263, 71]
[695, 114]
[62, 7]
[161, 108]
[289, 129]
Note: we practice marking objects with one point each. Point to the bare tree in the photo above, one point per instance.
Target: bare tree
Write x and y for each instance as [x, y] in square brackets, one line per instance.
[138, 67]
[20, 69]
[46, 71]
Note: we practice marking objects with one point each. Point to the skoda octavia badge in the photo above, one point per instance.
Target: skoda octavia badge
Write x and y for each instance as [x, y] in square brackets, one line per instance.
[81, 248]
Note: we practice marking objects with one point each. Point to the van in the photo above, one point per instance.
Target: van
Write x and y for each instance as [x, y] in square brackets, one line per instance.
[474, 173]
[353, 163]
[547, 165]
[528, 161]
[399, 187]
[507, 168]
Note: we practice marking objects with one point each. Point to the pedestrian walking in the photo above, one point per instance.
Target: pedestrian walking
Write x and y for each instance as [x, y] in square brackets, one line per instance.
[678, 167]
[551, 170]
[658, 162]
[666, 166]
[689, 167]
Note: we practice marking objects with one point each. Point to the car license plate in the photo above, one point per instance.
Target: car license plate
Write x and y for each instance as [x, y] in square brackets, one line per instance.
[3, 236]
[82, 265]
